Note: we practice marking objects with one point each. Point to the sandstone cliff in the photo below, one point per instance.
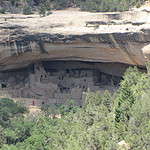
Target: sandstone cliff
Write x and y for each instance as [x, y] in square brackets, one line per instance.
[74, 35]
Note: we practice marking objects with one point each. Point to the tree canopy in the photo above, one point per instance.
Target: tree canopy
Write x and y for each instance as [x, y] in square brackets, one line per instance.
[29, 6]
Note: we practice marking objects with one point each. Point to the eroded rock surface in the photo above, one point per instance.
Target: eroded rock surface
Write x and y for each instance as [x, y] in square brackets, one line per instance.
[66, 35]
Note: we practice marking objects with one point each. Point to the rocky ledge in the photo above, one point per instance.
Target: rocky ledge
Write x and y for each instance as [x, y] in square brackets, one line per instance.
[74, 35]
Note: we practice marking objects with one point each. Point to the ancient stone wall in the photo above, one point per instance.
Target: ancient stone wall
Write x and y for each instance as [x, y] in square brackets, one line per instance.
[56, 82]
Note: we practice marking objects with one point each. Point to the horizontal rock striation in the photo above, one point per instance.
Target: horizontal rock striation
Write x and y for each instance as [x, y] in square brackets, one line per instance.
[21, 44]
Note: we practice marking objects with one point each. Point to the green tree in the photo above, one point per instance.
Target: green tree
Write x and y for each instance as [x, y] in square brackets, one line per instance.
[27, 10]
[8, 110]
[138, 132]
[87, 5]
[2, 10]
[132, 86]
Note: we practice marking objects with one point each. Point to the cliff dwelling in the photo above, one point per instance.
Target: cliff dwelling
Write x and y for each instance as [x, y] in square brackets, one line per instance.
[49, 62]
[58, 81]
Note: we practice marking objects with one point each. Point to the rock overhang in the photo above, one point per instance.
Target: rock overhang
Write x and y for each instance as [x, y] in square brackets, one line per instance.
[22, 44]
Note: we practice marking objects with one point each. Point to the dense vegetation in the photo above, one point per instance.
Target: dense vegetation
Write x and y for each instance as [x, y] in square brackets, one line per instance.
[102, 121]
[30, 6]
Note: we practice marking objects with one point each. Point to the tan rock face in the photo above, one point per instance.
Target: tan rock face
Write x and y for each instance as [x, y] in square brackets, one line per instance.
[146, 52]
[115, 47]
[108, 37]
